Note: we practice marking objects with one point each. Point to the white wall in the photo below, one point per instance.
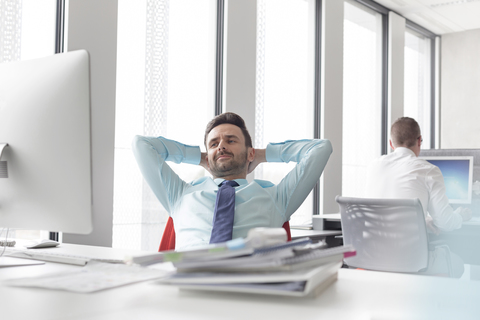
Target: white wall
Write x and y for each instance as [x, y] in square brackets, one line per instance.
[332, 101]
[460, 90]
[92, 25]
[240, 59]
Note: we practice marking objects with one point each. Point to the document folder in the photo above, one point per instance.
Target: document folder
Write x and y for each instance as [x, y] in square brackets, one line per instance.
[290, 269]
[300, 283]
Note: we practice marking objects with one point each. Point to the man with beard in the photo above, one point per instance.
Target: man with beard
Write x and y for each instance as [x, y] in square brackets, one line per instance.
[229, 156]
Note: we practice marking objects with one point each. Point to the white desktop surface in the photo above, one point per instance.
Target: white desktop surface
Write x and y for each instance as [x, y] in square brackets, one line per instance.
[356, 294]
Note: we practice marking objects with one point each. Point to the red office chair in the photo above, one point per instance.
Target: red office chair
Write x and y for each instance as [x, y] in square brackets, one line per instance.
[168, 238]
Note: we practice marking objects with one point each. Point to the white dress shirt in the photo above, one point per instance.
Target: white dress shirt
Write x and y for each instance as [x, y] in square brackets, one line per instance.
[401, 174]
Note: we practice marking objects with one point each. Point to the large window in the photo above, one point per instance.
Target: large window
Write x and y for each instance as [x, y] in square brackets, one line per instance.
[418, 82]
[362, 94]
[165, 86]
[285, 83]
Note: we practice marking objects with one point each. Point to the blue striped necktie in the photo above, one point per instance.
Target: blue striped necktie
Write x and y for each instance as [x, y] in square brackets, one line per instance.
[224, 212]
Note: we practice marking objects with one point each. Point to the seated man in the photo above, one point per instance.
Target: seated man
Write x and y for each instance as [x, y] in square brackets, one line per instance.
[229, 157]
[401, 174]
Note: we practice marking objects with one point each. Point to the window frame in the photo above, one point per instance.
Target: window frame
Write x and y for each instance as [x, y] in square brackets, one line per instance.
[384, 99]
[433, 72]
[318, 98]
[59, 48]
[219, 57]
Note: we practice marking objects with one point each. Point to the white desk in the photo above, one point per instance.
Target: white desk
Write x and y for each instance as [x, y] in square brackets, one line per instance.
[318, 234]
[355, 295]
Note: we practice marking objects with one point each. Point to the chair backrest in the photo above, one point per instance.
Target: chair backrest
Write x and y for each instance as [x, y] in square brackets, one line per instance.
[387, 234]
[168, 238]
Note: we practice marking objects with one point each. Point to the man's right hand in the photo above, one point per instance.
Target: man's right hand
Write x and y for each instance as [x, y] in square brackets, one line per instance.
[465, 213]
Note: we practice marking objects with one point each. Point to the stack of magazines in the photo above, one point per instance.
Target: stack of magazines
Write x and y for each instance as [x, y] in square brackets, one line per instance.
[295, 268]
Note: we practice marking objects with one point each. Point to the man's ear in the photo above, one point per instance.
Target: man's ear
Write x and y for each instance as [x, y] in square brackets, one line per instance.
[251, 154]
[391, 145]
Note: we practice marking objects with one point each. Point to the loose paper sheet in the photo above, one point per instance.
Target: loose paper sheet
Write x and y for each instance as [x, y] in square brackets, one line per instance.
[95, 276]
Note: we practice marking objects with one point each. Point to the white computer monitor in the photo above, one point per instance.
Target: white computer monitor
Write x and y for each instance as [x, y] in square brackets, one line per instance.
[457, 173]
[45, 119]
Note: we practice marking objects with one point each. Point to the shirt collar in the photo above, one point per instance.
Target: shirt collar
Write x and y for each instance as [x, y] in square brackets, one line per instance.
[405, 151]
[240, 182]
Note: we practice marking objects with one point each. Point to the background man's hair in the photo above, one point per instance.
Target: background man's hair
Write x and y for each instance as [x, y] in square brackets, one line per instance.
[404, 132]
[230, 118]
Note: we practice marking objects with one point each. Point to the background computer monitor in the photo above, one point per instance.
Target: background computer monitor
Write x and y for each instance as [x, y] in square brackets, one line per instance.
[457, 173]
[45, 119]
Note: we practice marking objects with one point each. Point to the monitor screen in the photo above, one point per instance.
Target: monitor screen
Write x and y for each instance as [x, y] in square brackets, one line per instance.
[45, 120]
[457, 173]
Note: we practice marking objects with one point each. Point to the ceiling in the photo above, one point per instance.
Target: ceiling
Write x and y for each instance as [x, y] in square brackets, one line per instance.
[438, 16]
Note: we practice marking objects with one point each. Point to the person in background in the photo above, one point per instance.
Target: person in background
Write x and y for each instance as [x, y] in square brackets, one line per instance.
[401, 174]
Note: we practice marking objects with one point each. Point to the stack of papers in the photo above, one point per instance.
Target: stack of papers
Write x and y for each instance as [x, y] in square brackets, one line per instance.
[297, 283]
[296, 268]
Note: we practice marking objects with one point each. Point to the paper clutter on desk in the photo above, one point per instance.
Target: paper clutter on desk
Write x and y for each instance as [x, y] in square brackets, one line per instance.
[257, 238]
[296, 268]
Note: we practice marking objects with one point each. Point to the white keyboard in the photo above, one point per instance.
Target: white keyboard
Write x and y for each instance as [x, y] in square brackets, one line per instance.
[38, 254]
[475, 219]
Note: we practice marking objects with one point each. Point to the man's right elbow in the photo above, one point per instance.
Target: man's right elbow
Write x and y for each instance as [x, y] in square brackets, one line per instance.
[330, 146]
[327, 147]
[138, 142]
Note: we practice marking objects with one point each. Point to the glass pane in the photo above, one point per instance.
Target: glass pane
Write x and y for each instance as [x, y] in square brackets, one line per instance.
[418, 82]
[285, 83]
[38, 28]
[361, 95]
[165, 86]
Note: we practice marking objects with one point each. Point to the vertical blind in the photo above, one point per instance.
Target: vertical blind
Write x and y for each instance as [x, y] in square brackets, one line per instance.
[10, 30]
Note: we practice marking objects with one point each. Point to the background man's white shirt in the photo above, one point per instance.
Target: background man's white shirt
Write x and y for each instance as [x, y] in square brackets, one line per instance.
[401, 174]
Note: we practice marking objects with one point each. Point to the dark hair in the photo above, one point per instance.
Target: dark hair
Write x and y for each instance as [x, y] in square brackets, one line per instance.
[230, 118]
[405, 132]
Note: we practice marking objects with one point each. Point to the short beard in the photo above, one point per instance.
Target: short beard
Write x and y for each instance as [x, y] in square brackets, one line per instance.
[232, 167]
